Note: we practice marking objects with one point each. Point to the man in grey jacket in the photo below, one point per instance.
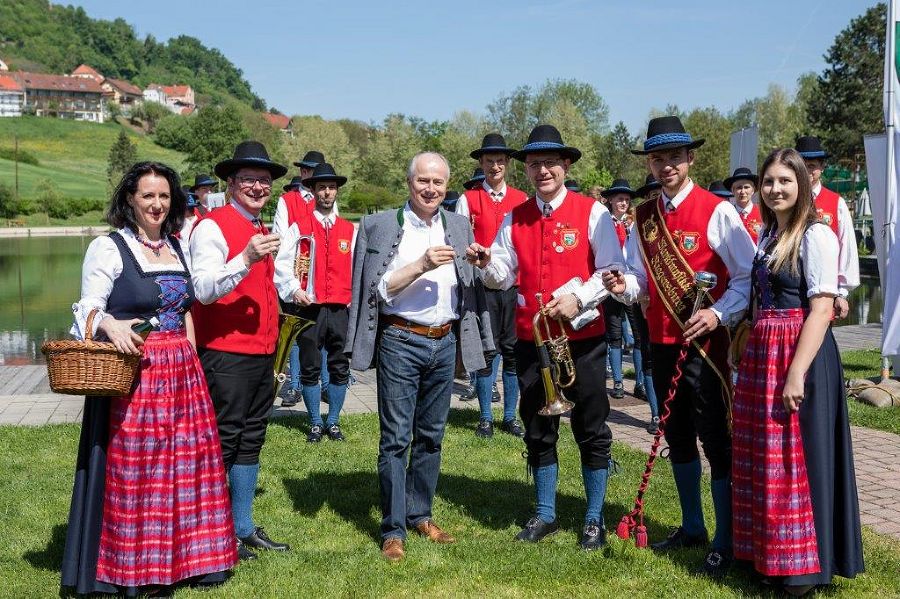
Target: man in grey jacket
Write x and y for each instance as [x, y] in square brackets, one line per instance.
[414, 296]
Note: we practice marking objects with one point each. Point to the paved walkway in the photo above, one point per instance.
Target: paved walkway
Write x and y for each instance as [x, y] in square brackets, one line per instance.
[27, 401]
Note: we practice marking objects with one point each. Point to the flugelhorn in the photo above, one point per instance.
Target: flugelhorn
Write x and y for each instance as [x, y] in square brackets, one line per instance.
[557, 366]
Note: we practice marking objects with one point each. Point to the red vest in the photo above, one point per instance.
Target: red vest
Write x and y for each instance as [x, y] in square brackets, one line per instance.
[752, 221]
[827, 208]
[486, 215]
[246, 320]
[333, 260]
[298, 209]
[621, 231]
[687, 225]
[550, 252]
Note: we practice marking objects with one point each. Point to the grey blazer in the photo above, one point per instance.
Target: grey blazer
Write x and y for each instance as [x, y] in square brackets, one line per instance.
[376, 244]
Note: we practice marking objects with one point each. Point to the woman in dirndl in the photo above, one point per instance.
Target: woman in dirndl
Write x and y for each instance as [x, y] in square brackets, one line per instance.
[150, 504]
[796, 512]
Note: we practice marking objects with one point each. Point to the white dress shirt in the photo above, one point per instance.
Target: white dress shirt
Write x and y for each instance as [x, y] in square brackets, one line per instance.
[184, 236]
[285, 280]
[281, 214]
[819, 253]
[213, 275]
[462, 205]
[728, 239]
[503, 268]
[431, 299]
[848, 256]
[102, 266]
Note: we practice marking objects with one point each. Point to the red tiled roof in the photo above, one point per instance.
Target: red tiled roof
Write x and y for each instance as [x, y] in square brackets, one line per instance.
[176, 90]
[124, 86]
[9, 84]
[86, 70]
[56, 82]
[279, 121]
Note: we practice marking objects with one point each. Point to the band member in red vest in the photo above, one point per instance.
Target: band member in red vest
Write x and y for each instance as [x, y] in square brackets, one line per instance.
[742, 184]
[202, 187]
[486, 205]
[544, 244]
[689, 230]
[320, 293]
[833, 211]
[236, 324]
[298, 196]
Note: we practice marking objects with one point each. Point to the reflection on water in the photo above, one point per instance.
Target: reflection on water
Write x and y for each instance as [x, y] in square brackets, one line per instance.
[40, 277]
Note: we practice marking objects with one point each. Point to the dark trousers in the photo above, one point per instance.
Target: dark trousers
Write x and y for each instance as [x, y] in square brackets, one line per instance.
[329, 333]
[589, 415]
[501, 307]
[614, 313]
[698, 409]
[641, 332]
[242, 387]
[415, 377]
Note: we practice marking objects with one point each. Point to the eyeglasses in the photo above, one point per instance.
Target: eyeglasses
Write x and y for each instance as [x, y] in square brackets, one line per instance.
[245, 181]
[536, 165]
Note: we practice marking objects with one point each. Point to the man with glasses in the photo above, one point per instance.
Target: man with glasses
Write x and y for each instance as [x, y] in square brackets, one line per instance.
[236, 325]
[556, 244]
[486, 205]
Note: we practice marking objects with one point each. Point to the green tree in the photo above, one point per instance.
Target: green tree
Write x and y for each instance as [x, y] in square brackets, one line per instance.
[712, 159]
[7, 201]
[849, 102]
[780, 117]
[390, 149]
[328, 137]
[215, 131]
[614, 156]
[122, 155]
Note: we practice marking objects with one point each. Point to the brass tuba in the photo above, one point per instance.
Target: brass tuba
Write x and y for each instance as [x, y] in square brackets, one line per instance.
[557, 366]
[290, 327]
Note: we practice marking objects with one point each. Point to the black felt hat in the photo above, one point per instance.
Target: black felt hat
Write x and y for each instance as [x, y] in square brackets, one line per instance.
[718, 188]
[619, 186]
[810, 146]
[667, 133]
[450, 200]
[203, 180]
[476, 180]
[572, 185]
[650, 184]
[249, 154]
[295, 184]
[493, 143]
[324, 172]
[547, 138]
[311, 159]
[741, 172]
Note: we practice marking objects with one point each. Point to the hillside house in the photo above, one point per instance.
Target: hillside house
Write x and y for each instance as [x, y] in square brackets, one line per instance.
[124, 93]
[281, 122]
[78, 98]
[174, 97]
[154, 93]
[12, 97]
[87, 72]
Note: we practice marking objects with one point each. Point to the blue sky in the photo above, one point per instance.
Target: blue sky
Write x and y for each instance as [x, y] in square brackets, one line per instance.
[364, 59]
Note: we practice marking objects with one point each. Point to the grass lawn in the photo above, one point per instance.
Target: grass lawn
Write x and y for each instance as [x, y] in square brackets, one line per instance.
[323, 499]
[863, 364]
[72, 154]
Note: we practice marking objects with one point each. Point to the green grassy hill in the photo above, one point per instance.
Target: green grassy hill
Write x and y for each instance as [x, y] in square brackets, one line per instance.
[71, 154]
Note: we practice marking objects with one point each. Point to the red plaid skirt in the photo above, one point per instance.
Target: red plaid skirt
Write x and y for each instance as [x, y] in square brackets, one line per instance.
[773, 517]
[166, 510]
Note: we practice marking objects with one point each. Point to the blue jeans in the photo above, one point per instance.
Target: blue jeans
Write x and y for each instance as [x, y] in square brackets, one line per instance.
[415, 378]
[294, 361]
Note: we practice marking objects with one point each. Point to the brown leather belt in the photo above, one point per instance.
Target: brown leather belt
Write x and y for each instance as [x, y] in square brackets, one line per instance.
[418, 329]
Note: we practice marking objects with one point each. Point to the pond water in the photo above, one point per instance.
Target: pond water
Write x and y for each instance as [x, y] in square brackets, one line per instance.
[40, 278]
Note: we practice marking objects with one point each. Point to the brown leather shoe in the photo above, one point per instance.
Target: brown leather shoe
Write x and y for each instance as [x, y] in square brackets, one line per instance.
[427, 528]
[392, 549]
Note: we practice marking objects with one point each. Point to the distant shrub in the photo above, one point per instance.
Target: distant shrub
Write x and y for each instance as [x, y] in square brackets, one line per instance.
[7, 201]
[174, 132]
[368, 198]
[24, 156]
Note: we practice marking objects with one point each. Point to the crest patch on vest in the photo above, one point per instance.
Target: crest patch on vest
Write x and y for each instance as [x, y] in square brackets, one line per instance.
[344, 246]
[755, 225]
[568, 238]
[689, 242]
[825, 217]
[650, 229]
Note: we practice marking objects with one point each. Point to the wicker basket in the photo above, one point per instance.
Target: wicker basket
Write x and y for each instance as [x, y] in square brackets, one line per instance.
[89, 367]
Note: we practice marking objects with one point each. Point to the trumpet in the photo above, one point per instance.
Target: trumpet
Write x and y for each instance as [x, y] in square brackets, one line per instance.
[555, 357]
[290, 327]
[305, 264]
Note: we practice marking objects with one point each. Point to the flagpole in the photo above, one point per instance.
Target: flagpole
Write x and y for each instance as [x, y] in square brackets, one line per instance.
[890, 120]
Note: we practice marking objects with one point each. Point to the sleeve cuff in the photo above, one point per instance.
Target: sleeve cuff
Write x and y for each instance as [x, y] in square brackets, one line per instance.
[826, 290]
[842, 291]
[382, 288]
[288, 289]
[236, 266]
